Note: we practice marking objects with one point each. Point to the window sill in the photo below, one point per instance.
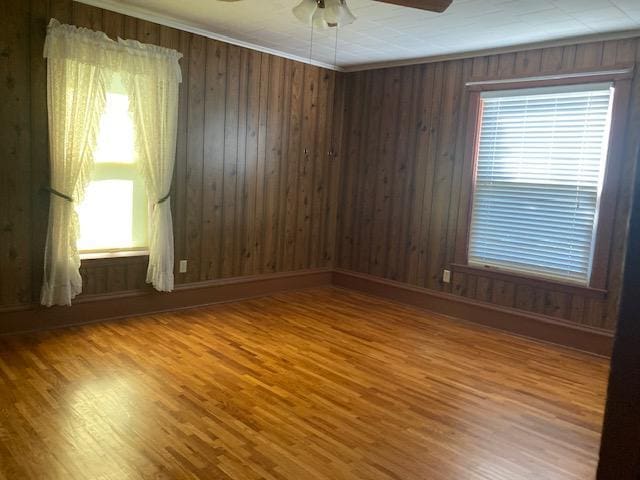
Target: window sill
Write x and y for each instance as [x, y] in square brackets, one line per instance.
[113, 254]
[523, 279]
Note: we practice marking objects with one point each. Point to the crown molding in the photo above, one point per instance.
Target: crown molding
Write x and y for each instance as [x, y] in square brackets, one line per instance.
[146, 14]
[167, 21]
[561, 42]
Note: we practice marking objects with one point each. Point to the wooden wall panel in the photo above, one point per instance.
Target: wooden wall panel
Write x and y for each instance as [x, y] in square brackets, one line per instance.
[15, 145]
[245, 199]
[404, 200]
[379, 189]
[39, 142]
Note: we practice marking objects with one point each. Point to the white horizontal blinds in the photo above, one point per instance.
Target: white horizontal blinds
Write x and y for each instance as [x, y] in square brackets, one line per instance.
[539, 172]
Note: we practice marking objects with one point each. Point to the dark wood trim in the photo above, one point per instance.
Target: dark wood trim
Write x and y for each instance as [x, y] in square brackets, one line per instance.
[472, 146]
[89, 257]
[540, 327]
[523, 279]
[624, 72]
[609, 196]
[619, 450]
[115, 260]
[93, 308]
[613, 168]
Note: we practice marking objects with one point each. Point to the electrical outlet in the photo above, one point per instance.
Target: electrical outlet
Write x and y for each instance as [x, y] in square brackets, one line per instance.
[446, 276]
[183, 266]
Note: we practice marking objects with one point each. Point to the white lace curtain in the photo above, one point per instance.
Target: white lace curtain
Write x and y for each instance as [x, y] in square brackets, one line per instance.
[80, 65]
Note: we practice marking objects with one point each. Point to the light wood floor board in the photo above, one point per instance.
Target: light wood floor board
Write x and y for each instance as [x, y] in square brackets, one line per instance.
[316, 384]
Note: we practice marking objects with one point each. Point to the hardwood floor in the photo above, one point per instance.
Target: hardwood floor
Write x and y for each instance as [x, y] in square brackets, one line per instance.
[315, 384]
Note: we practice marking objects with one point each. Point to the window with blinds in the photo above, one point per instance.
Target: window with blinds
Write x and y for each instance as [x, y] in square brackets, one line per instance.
[539, 170]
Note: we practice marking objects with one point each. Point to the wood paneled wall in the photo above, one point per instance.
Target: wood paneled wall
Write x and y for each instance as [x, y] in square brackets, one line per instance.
[403, 201]
[254, 191]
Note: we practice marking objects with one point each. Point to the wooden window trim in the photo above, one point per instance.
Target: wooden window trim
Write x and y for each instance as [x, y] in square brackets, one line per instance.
[472, 145]
[536, 282]
[576, 77]
[612, 177]
[113, 253]
[608, 201]
[117, 260]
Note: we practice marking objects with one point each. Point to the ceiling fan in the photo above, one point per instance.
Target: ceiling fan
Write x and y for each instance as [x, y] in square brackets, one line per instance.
[430, 5]
[336, 13]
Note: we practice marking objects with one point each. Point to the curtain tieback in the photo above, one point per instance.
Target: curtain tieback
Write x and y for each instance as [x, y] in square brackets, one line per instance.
[164, 199]
[59, 194]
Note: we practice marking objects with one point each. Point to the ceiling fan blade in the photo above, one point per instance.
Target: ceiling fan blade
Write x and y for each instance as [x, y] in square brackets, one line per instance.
[431, 5]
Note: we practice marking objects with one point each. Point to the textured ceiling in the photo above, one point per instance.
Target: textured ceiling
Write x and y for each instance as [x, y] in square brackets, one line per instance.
[388, 33]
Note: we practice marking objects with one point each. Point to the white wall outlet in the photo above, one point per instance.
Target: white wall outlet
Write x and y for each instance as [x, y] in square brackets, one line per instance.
[446, 276]
[183, 266]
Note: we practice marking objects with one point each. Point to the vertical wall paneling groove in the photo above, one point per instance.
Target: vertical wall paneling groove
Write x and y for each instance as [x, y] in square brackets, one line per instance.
[441, 203]
[39, 142]
[336, 133]
[385, 175]
[406, 116]
[458, 146]
[305, 170]
[349, 141]
[241, 163]
[250, 190]
[320, 167]
[195, 153]
[264, 168]
[180, 171]
[367, 175]
[295, 151]
[275, 110]
[214, 152]
[421, 129]
[427, 155]
[283, 166]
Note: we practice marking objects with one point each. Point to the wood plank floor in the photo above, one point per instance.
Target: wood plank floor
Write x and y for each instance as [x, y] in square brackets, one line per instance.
[315, 384]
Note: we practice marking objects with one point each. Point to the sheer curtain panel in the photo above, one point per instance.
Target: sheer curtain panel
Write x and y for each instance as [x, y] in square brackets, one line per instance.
[80, 63]
[153, 94]
[75, 101]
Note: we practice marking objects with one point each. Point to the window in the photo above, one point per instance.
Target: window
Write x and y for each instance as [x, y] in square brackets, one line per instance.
[540, 163]
[113, 214]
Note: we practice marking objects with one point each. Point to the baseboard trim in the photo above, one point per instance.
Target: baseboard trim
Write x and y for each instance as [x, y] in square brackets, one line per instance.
[95, 308]
[540, 327]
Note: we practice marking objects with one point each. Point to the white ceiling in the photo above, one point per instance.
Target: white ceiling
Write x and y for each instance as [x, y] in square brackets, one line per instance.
[383, 33]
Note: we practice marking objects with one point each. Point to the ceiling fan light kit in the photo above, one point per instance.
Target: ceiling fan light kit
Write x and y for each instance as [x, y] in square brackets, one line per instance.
[336, 13]
[324, 13]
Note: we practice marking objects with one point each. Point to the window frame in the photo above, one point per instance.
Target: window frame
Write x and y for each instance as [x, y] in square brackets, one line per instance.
[621, 80]
[140, 217]
[114, 170]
